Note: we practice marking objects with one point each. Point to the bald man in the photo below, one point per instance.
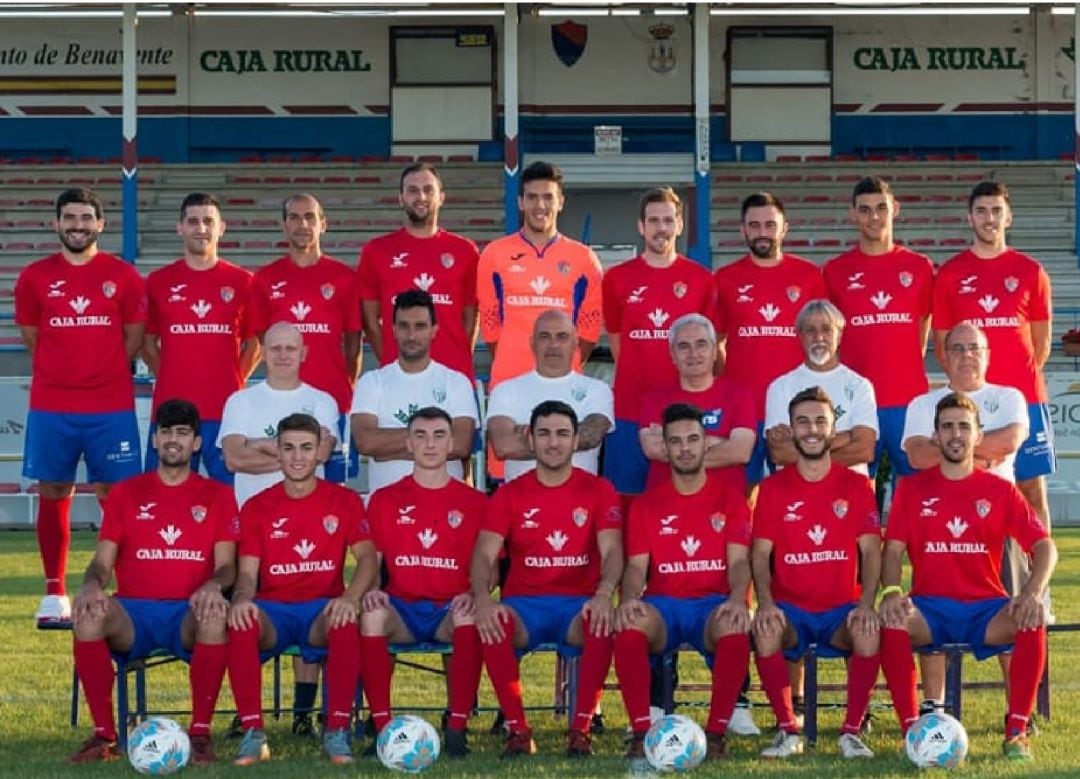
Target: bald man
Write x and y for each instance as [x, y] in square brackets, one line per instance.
[554, 342]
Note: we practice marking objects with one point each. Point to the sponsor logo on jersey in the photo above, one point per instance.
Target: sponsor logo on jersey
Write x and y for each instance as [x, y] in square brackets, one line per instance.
[330, 523]
[427, 537]
[424, 281]
[744, 294]
[198, 513]
[967, 285]
[928, 509]
[557, 540]
[79, 304]
[881, 299]
[539, 285]
[55, 290]
[769, 312]
[201, 308]
[792, 514]
[563, 268]
[637, 295]
[988, 303]
[658, 316]
[304, 548]
[300, 310]
[276, 290]
[438, 394]
[956, 526]
[171, 534]
[690, 545]
[855, 281]
[404, 517]
[108, 288]
[817, 534]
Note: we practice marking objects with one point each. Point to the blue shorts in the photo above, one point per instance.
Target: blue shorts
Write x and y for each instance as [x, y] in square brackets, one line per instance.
[292, 623]
[625, 465]
[890, 438]
[336, 467]
[955, 622]
[685, 619]
[547, 619]
[210, 455]
[815, 627]
[760, 465]
[55, 442]
[1036, 456]
[157, 626]
[421, 617]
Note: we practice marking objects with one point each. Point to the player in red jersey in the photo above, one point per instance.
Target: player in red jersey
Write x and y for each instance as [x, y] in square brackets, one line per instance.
[170, 536]
[1007, 294]
[562, 531]
[757, 299]
[816, 560]
[197, 315]
[642, 297]
[81, 313]
[425, 527]
[421, 255]
[290, 589]
[952, 521]
[728, 408]
[686, 581]
[317, 293]
[884, 292]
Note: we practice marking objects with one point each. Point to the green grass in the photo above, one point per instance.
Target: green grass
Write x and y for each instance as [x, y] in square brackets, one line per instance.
[36, 685]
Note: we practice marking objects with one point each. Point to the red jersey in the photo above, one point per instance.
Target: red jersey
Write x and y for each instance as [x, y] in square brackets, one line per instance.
[80, 365]
[727, 405]
[756, 309]
[551, 532]
[321, 301]
[955, 531]
[640, 303]
[884, 298]
[200, 319]
[687, 537]
[1003, 296]
[301, 542]
[166, 534]
[815, 528]
[426, 537]
[444, 266]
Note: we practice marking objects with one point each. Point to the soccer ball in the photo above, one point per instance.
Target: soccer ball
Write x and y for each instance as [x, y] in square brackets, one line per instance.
[936, 740]
[408, 744]
[158, 746]
[675, 743]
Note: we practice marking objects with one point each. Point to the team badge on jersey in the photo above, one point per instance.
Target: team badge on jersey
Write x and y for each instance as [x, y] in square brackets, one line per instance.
[447, 260]
[198, 513]
[108, 288]
[793, 293]
[563, 268]
[327, 291]
[454, 518]
[227, 294]
[679, 289]
[1012, 283]
[439, 394]
[906, 278]
[581, 516]
[839, 508]
[578, 394]
[982, 508]
[717, 521]
[330, 523]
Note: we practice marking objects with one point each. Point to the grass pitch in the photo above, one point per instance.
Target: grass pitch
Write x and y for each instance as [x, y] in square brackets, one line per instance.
[35, 690]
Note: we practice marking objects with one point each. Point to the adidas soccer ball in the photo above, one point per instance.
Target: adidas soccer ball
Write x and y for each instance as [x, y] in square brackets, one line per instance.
[936, 740]
[158, 746]
[675, 743]
[408, 744]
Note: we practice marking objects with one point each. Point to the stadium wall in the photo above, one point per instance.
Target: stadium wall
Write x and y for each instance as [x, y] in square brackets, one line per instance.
[215, 89]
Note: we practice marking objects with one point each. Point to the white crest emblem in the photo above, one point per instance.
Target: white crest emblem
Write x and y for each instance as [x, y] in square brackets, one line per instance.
[690, 545]
[769, 312]
[718, 521]
[201, 308]
[427, 537]
[108, 288]
[447, 260]
[906, 278]
[817, 534]
[79, 304]
[557, 540]
[300, 310]
[330, 523]
[304, 548]
[198, 513]
[540, 285]
[1012, 283]
[956, 526]
[581, 516]
[170, 534]
[454, 518]
[227, 294]
[840, 508]
[982, 507]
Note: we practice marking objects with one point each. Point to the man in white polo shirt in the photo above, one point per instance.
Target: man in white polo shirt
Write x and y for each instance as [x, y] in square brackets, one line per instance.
[820, 325]
[1003, 416]
[554, 342]
[386, 398]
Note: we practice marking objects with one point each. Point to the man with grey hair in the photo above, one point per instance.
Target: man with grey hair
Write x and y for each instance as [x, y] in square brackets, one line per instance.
[554, 342]
[727, 405]
[819, 327]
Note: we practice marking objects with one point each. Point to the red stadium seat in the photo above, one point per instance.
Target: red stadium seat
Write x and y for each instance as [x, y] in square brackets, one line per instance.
[460, 158]
[368, 180]
[818, 178]
[789, 158]
[257, 245]
[948, 219]
[728, 178]
[956, 242]
[921, 242]
[822, 242]
[758, 178]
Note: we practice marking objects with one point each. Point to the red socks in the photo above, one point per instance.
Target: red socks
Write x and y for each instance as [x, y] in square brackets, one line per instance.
[466, 664]
[342, 672]
[632, 669]
[1025, 673]
[731, 658]
[54, 538]
[862, 675]
[592, 671]
[94, 664]
[505, 674]
[245, 675]
[377, 673]
[898, 663]
[774, 678]
[206, 672]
